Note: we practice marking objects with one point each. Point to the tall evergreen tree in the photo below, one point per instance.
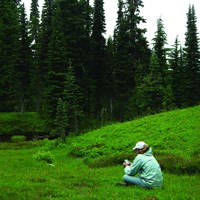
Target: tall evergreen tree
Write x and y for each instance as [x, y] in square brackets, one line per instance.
[69, 41]
[192, 60]
[76, 29]
[9, 43]
[42, 53]
[160, 50]
[131, 53]
[177, 75]
[58, 57]
[148, 98]
[98, 56]
[109, 79]
[72, 98]
[76, 19]
[33, 34]
[86, 53]
[24, 64]
[61, 120]
[34, 22]
[159, 47]
[122, 72]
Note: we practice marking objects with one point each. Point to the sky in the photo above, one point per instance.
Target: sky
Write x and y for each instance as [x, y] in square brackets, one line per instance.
[172, 12]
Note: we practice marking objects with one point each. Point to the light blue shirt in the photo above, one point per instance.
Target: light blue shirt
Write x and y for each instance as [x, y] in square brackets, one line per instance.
[148, 169]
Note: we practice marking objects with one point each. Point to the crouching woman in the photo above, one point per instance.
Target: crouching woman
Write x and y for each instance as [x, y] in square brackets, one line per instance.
[146, 166]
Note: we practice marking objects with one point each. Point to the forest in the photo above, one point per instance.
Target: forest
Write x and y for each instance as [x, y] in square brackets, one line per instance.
[60, 65]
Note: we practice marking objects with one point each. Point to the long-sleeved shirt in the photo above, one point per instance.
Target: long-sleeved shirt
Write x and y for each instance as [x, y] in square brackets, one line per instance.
[148, 169]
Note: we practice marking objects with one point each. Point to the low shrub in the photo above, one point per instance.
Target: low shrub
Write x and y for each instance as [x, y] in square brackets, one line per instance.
[105, 161]
[178, 165]
[28, 124]
[168, 162]
[48, 145]
[45, 156]
[18, 138]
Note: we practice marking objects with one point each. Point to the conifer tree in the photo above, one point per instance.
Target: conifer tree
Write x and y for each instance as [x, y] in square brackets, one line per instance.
[192, 60]
[85, 82]
[56, 68]
[72, 98]
[24, 64]
[160, 50]
[122, 74]
[33, 34]
[34, 22]
[159, 47]
[9, 43]
[177, 75]
[76, 20]
[61, 120]
[131, 53]
[148, 98]
[42, 53]
[76, 29]
[98, 56]
[45, 33]
[109, 78]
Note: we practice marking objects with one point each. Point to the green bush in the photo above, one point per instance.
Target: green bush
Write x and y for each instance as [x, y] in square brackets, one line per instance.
[45, 156]
[48, 145]
[105, 161]
[178, 165]
[18, 138]
[28, 124]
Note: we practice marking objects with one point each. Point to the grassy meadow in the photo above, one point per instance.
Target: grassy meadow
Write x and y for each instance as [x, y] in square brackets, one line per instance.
[88, 166]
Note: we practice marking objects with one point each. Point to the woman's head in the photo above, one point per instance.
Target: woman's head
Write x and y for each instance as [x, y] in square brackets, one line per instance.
[141, 147]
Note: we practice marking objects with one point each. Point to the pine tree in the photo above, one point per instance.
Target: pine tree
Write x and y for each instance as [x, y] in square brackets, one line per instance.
[9, 43]
[177, 76]
[98, 56]
[61, 120]
[83, 67]
[109, 78]
[160, 50]
[57, 66]
[24, 64]
[122, 73]
[72, 98]
[159, 47]
[76, 22]
[34, 22]
[148, 96]
[192, 60]
[44, 37]
[131, 53]
[42, 54]
[33, 34]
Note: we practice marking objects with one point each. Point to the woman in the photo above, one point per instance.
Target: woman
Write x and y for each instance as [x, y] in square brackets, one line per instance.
[144, 164]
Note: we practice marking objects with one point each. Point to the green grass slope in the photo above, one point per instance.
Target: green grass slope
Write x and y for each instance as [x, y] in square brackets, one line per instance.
[174, 137]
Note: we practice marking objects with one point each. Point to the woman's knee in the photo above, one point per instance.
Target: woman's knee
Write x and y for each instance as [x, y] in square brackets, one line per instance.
[125, 178]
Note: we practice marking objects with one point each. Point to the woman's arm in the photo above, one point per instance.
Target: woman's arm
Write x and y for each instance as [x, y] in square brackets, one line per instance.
[134, 168]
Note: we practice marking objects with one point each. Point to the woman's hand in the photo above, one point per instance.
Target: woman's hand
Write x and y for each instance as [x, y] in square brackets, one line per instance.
[126, 163]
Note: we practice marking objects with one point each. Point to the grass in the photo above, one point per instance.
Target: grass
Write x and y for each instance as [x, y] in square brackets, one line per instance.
[22, 177]
[173, 135]
[85, 177]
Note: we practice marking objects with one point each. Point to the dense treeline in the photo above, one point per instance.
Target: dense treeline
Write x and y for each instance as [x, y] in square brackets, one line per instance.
[62, 66]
